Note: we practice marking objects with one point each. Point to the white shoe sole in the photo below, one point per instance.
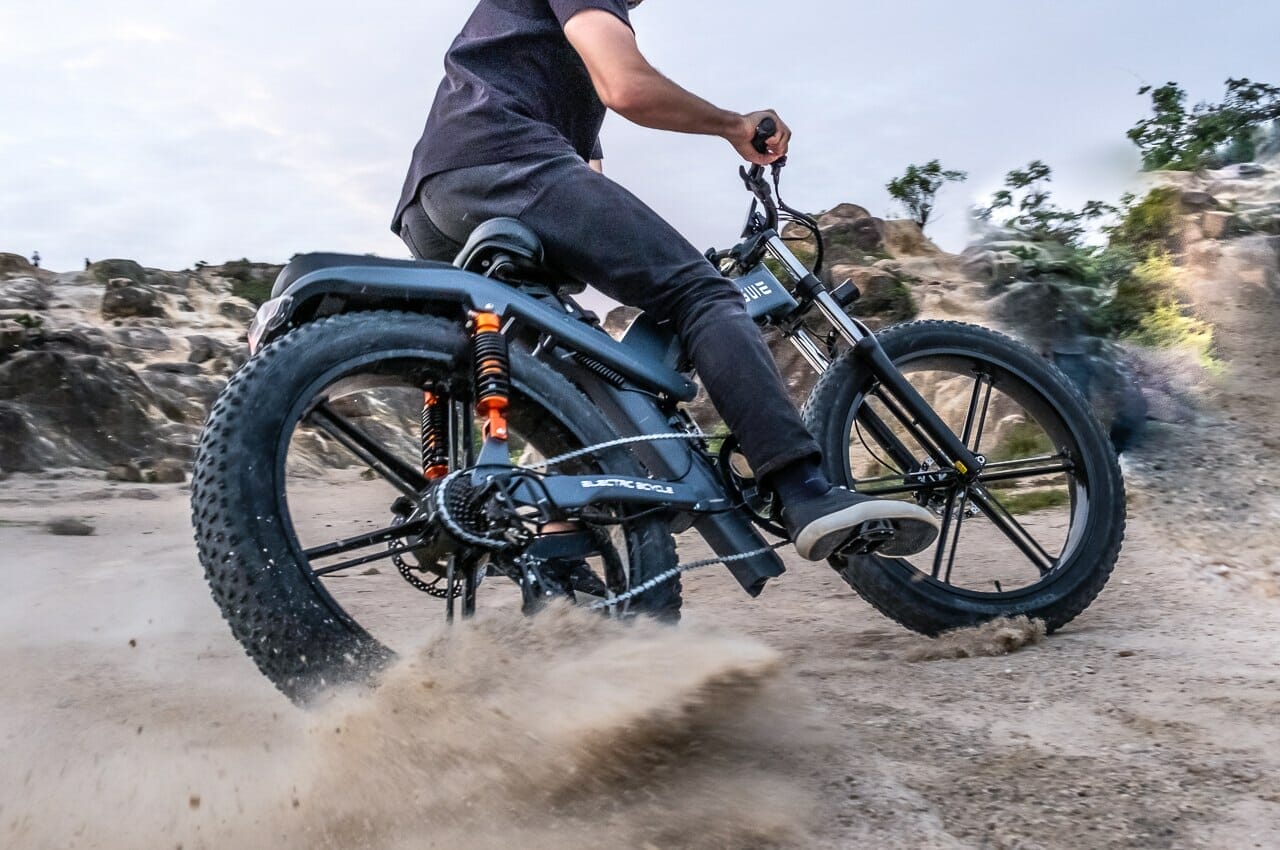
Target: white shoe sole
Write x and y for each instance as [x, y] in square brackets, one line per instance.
[817, 540]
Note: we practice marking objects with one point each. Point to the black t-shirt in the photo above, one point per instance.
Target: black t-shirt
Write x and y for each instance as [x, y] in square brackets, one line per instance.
[513, 87]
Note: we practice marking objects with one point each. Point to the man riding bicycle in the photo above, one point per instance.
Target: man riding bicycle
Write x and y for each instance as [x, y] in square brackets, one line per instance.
[510, 134]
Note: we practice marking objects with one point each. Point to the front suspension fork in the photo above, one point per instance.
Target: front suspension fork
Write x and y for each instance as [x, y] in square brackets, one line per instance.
[952, 451]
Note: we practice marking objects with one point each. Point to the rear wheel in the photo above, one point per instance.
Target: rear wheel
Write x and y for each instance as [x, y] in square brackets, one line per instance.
[1037, 535]
[299, 495]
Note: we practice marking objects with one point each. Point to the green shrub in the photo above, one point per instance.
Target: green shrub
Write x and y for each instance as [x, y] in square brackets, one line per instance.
[105, 270]
[1147, 225]
[1026, 439]
[250, 282]
[1034, 500]
[1170, 326]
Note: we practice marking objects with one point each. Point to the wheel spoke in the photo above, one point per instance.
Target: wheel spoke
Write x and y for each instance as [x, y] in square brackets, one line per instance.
[987, 476]
[369, 538]
[973, 409]
[955, 541]
[1011, 528]
[982, 417]
[404, 477]
[942, 535]
[355, 562]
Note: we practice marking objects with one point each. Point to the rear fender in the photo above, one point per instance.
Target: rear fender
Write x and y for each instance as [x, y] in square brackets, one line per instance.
[438, 288]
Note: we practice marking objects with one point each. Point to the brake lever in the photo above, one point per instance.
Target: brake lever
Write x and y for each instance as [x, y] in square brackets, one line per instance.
[755, 182]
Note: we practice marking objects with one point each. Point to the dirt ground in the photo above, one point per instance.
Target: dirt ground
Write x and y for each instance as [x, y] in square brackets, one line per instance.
[130, 718]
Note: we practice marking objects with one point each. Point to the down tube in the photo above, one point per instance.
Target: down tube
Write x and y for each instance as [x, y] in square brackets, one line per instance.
[634, 413]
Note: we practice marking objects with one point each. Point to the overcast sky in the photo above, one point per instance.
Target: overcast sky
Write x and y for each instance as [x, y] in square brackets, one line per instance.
[214, 129]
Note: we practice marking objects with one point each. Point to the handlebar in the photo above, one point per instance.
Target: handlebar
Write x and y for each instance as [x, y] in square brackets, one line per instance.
[765, 131]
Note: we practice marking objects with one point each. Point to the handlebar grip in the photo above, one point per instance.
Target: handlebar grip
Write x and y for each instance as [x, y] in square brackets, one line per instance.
[764, 132]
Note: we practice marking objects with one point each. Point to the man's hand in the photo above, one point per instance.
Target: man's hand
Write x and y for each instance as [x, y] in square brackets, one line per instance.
[630, 86]
[742, 136]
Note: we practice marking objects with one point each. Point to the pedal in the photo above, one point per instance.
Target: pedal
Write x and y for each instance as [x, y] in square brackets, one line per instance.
[869, 538]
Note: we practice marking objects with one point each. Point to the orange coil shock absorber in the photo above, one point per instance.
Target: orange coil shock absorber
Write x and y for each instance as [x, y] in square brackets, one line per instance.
[435, 437]
[492, 374]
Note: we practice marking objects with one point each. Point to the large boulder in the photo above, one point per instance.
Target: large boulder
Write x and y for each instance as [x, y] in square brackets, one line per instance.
[104, 271]
[22, 447]
[124, 299]
[205, 348]
[77, 339]
[75, 410]
[182, 397]
[14, 265]
[142, 338]
[24, 293]
[865, 235]
[995, 268]
[904, 238]
[1049, 313]
[237, 310]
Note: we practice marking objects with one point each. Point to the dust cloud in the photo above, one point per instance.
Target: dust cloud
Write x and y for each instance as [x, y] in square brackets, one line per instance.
[997, 637]
[560, 731]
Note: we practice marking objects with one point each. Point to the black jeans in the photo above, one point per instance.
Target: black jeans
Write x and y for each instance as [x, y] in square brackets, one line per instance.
[595, 231]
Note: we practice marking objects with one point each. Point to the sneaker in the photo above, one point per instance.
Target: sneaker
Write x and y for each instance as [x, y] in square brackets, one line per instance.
[842, 519]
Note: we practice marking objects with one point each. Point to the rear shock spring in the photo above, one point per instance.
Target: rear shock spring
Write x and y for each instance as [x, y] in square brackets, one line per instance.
[435, 437]
[492, 363]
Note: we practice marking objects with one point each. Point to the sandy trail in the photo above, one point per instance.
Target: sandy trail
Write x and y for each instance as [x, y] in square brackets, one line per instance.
[130, 718]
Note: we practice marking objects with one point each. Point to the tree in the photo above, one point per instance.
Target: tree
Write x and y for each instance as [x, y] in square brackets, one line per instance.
[918, 187]
[1032, 210]
[1182, 139]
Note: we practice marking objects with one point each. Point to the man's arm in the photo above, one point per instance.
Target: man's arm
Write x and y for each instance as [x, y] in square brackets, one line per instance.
[633, 88]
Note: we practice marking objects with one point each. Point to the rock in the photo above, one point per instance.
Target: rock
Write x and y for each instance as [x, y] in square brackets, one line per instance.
[996, 268]
[182, 397]
[903, 238]
[862, 234]
[12, 336]
[24, 293]
[1197, 201]
[141, 494]
[13, 265]
[81, 339]
[125, 299]
[1251, 169]
[842, 213]
[237, 310]
[86, 410]
[885, 299]
[21, 444]
[1217, 225]
[127, 472]
[165, 472]
[104, 270]
[205, 348]
[68, 527]
[143, 338]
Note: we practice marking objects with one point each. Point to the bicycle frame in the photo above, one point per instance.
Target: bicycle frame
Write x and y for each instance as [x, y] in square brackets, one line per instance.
[640, 390]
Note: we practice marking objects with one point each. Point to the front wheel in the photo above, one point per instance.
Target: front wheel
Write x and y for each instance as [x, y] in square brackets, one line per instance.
[1040, 531]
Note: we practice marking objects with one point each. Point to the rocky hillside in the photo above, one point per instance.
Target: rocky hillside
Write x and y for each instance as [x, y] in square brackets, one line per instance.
[113, 368]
